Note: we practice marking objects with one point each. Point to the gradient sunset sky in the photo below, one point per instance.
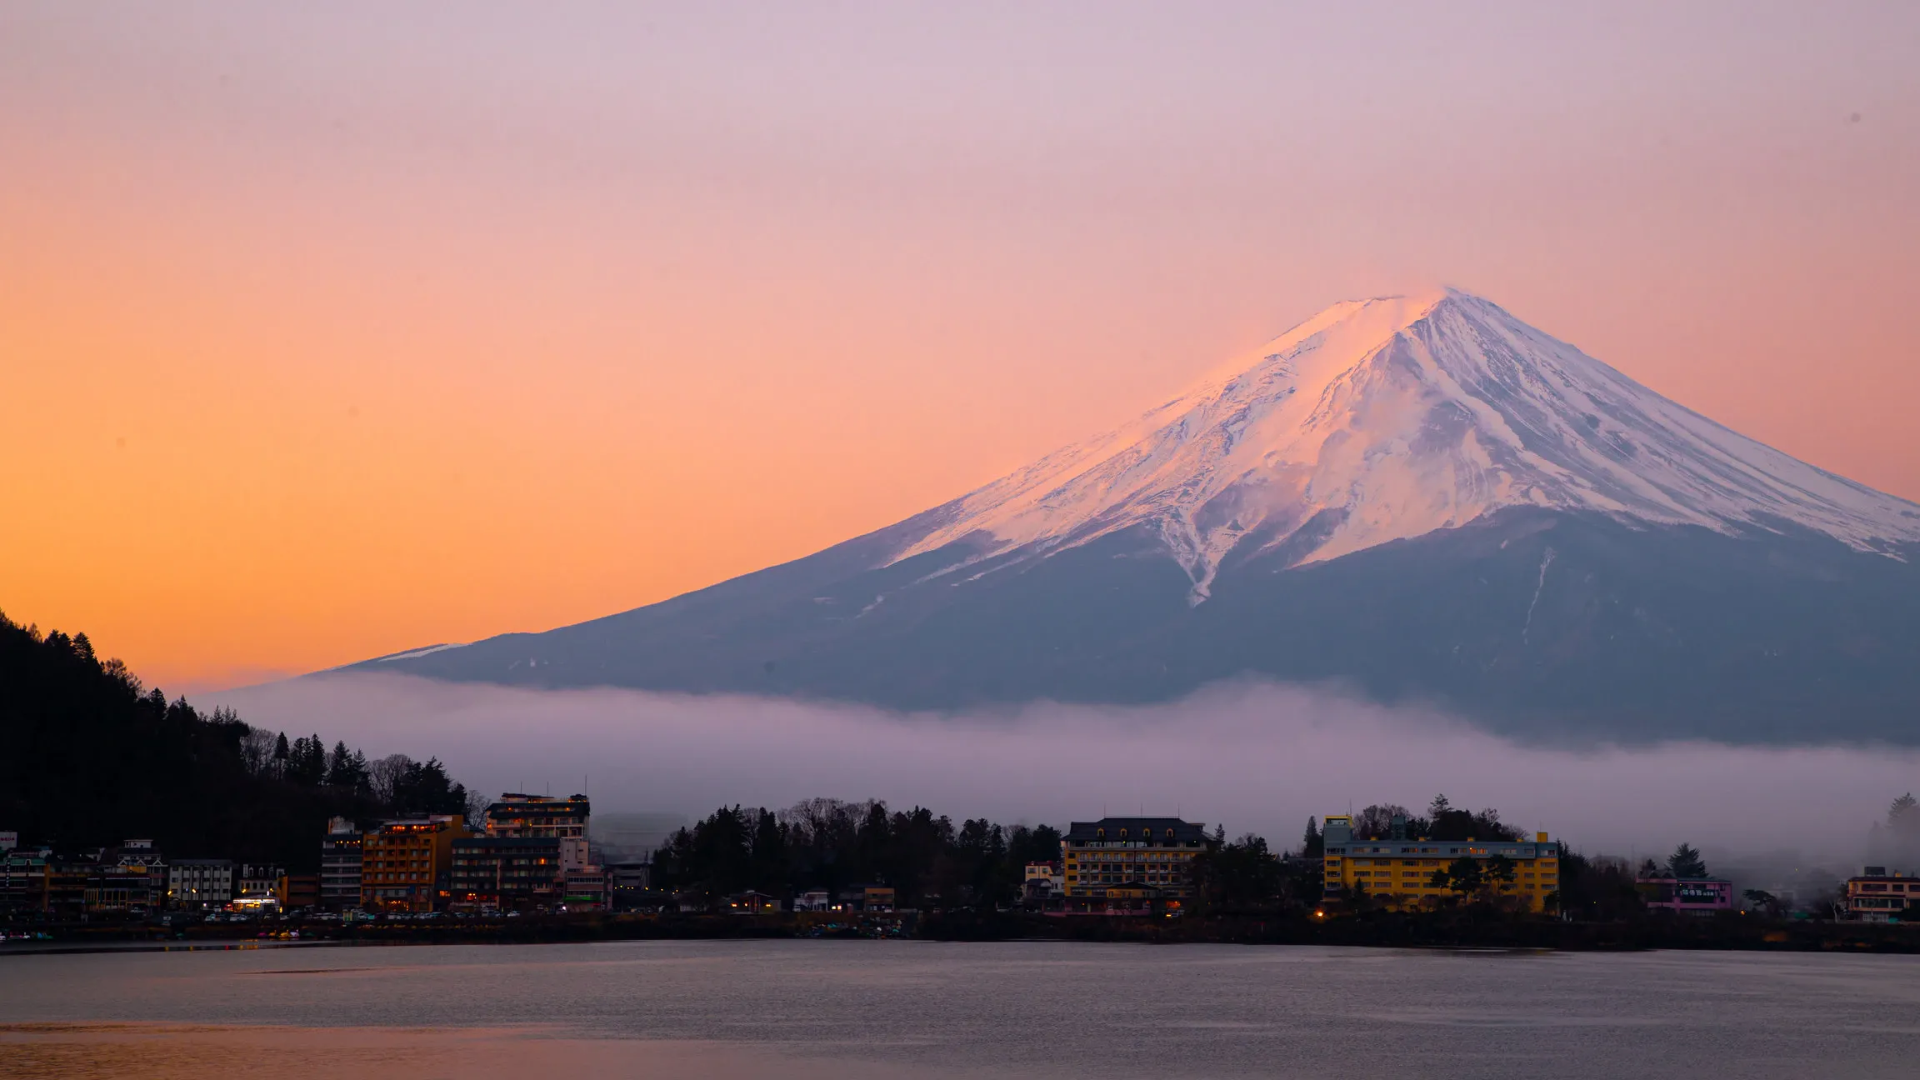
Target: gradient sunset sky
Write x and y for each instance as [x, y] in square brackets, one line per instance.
[332, 330]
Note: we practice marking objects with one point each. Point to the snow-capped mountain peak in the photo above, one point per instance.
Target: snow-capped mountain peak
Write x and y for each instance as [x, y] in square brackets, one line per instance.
[1389, 418]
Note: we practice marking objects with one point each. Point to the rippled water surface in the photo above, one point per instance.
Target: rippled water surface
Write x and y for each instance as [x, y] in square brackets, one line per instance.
[856, 1009]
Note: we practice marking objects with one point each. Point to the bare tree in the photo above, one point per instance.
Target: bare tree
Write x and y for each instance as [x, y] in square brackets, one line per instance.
[1376, 822]
[477, 810]
[387, 774]
[256, 749]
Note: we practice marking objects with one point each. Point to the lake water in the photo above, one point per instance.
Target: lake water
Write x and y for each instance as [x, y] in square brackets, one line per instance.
[857, 1009]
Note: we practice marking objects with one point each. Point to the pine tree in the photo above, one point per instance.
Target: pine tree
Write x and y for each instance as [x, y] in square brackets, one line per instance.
[1685, 862]
[1903, 817]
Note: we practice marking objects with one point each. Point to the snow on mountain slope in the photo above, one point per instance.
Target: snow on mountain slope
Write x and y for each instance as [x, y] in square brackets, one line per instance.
[1386, 419]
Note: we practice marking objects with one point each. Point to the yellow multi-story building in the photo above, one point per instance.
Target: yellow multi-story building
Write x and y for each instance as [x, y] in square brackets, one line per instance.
[405, 864]
[1398, 871]
[1128, 865]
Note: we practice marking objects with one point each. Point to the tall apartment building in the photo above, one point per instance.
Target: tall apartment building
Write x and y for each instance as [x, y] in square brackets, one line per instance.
[406, 865]
[525, 817]
[533, 854]
[506, 873]
[1398, 871]
[340, 865]
[199, 884]
[1129, 865]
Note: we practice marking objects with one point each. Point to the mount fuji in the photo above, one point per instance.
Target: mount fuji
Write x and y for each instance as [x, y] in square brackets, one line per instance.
[1412, 497]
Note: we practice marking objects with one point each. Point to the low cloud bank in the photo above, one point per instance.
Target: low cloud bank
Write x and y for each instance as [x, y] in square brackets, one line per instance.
[1255, 757]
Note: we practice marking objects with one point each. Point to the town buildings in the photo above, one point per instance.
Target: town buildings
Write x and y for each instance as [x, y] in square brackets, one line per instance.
[340, 865]
[1398, 871]
[23, 878]
[406, 865]
[67, 878]
[257, 881]
[583, 888]
[628, 884]
[129, 878]
[506, 873]
[521, 817]
[1125, 866]
[1877, 896]
[199, 884]
[534, 856]
[1043, 882]
[298, 891]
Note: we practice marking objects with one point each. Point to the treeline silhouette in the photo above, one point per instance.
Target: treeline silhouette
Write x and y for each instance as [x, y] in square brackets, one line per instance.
[831, 844]
[1442, 821]
[929, 861]
[89, 757]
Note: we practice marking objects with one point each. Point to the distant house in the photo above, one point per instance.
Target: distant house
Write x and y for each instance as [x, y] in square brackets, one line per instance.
[586, 888]
[628, 884]
[1044, 883]
[813, 900]
[257, 881]
[1877, 896]
[752, 902]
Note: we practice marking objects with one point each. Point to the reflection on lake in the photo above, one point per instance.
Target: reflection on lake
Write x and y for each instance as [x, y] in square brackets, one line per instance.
[851, 1010]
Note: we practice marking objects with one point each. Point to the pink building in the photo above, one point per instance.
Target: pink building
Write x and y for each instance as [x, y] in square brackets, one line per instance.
[1697, 896]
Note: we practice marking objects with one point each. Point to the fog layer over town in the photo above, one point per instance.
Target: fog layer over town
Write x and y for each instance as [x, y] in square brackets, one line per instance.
[1250, 756]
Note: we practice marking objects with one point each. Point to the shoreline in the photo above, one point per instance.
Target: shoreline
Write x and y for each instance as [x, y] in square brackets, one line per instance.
[1726, 933]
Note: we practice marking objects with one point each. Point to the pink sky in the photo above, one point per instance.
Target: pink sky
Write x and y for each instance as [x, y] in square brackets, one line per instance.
[331, 332]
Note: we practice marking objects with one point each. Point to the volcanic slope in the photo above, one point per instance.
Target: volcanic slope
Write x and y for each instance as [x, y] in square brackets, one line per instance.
[1419, 497]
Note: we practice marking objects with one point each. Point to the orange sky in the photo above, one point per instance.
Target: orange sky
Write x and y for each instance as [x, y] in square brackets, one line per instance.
[324, 335]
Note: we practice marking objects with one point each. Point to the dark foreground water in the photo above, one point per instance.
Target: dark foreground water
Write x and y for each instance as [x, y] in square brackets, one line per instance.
[858, 1009]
